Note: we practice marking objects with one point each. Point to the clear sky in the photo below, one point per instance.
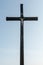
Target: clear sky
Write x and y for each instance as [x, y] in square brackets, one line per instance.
[10, 33]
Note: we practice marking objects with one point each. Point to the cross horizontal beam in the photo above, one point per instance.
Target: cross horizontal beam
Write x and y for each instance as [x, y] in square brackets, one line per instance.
[19, 18]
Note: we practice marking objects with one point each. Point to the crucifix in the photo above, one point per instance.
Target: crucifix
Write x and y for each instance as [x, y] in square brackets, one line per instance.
[22, 19]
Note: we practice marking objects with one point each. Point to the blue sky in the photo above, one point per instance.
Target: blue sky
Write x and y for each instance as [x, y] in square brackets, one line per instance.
[10, 33]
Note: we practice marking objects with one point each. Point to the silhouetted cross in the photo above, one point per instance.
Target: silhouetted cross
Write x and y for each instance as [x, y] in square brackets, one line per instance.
[21, 18]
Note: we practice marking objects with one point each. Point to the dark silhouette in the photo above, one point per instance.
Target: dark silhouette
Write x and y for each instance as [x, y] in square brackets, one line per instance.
[21, 18]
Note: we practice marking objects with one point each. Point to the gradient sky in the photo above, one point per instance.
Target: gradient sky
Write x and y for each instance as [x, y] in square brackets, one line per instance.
[10, 33]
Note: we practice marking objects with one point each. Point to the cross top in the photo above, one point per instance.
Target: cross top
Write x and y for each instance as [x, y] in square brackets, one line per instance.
[21, 10]
[21, 16]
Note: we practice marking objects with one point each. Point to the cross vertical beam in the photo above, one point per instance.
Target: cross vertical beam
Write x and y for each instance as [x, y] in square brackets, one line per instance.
[21, 43]
[21, 37]
[22, 19]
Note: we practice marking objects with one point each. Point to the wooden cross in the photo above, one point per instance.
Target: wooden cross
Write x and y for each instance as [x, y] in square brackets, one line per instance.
[21, 18]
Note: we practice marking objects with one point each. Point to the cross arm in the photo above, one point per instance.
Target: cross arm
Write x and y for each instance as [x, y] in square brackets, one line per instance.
[13, 18]
[30, 18]
[19, 18]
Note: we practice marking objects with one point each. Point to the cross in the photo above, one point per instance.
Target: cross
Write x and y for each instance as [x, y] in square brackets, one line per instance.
[21, 18]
